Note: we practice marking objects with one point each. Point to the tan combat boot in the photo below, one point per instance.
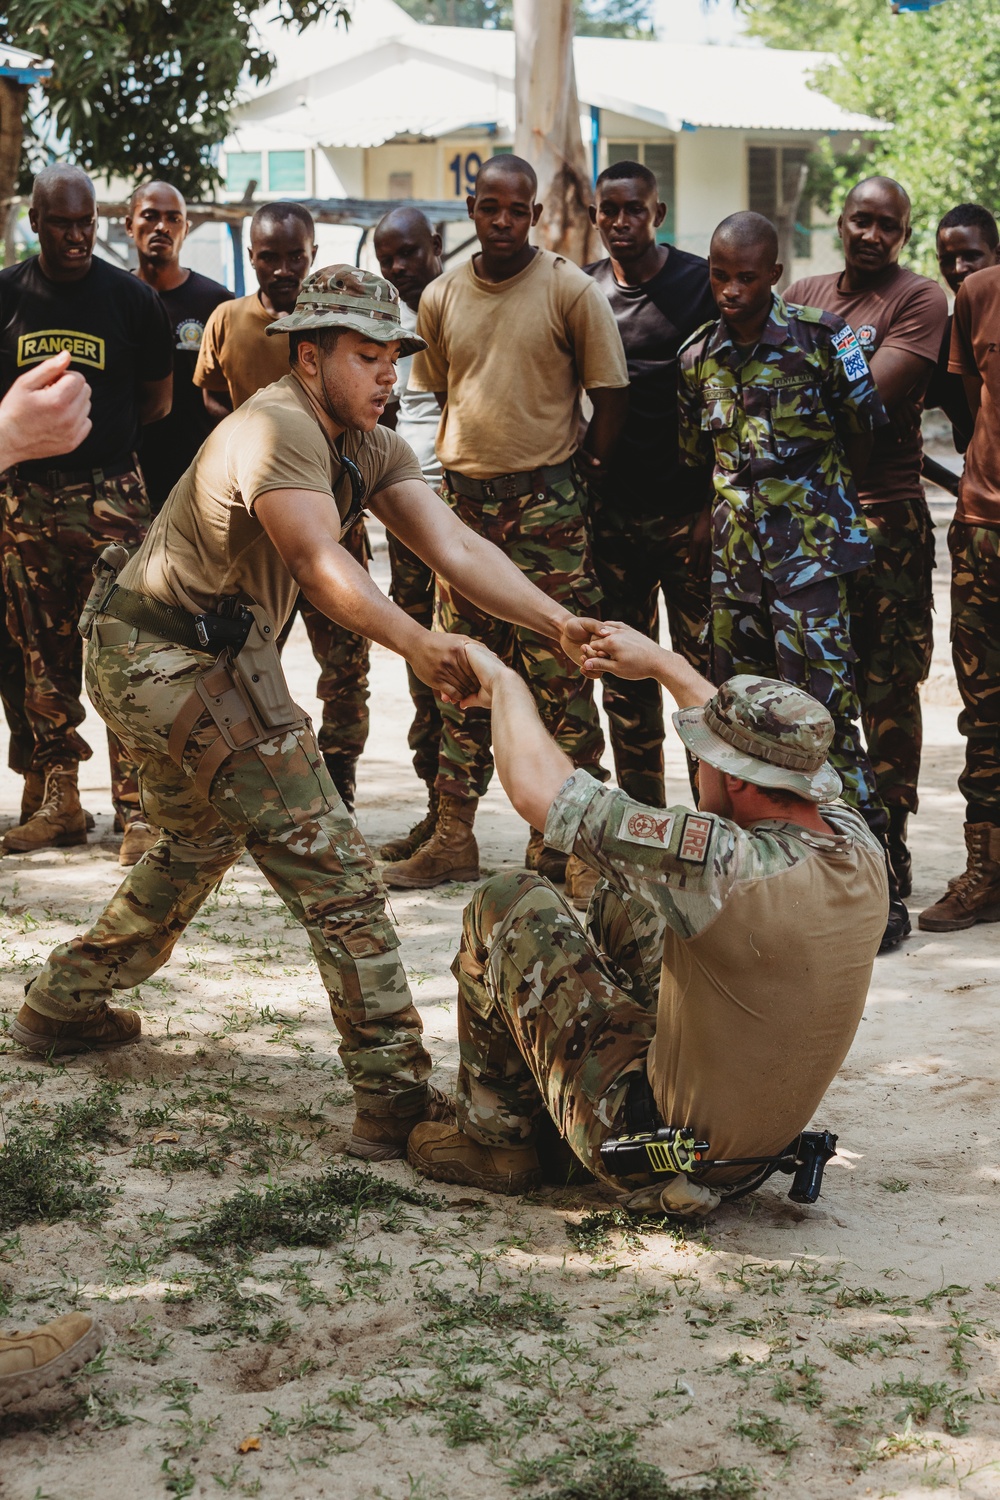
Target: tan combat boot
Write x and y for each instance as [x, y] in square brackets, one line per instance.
[60, 820]
[443, 1152]
[32, 795]
[451, 852]
[382, 1135]
[137, 838]
[548, 862]
[96, 1032]
[31, 1362]
[973, 896]
[580, 882]
[409, 843]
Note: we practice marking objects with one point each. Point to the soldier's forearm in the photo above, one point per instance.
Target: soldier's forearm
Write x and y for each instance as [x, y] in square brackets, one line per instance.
[686, 686]
[530, 764]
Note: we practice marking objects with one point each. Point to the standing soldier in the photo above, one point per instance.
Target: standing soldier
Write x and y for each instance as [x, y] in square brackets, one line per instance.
[409, 256]
[974, 540]
[513, 337]
[967, 241]
[899, 321]
[157, 221]
[650, 514]
[783, 400]
[60, 512]
[235, 361]
[181, 661]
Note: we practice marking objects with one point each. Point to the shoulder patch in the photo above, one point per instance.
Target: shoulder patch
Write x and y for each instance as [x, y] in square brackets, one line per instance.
[806, 314]
[695, 838]
[847, 349]
[645, 828]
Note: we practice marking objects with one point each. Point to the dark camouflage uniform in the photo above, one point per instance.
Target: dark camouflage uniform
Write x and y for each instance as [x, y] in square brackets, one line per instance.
[276, 802]
[975, 646]
[342, 657]
[412, 589]
[21, 741]
[892, 628]
[51, 540]
[545, 535]
[786, 517]
[636, 555]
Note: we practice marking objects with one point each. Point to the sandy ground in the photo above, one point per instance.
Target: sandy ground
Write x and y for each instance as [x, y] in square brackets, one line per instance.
[476, 1346]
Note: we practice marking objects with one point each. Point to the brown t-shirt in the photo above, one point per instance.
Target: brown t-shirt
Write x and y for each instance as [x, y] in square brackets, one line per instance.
[207, 544]
[236, 354]
[513, 358]
[903, 311]
[974, 345]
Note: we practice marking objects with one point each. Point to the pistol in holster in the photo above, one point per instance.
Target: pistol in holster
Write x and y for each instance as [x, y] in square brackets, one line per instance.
[106, 569]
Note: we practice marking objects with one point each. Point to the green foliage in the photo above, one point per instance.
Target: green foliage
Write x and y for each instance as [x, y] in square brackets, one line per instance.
[933, 76]
[144, 88]
[43, 1174]
[628, 1479]
[620, 18]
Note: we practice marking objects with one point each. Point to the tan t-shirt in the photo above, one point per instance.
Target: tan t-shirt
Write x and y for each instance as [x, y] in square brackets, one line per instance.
[974, 345]
[769, 937]
[513, 358]
[207, 544]
[236, 354]
[903, 311]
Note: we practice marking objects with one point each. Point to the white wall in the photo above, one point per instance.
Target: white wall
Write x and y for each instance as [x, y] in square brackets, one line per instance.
[711, 183]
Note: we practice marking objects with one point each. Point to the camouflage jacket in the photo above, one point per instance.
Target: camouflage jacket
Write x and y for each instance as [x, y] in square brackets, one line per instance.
[786, 506]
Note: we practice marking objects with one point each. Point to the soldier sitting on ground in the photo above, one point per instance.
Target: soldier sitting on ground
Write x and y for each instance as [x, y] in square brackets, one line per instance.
[727, 958]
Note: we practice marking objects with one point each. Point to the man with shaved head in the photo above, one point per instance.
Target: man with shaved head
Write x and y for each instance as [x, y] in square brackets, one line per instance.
[514, 338]
[157, 221]
[409, 255]
[60, 512]
[780, 396]
[899, 320]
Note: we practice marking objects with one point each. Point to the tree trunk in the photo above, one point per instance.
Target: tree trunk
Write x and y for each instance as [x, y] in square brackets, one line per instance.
[13, 98]
[547, 129]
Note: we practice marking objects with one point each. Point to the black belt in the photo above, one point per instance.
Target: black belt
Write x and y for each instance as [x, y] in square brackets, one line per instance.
[205, 632]
[63, 479]
[509, 486]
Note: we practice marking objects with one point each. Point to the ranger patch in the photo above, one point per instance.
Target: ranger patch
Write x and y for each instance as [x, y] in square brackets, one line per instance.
[646, 828]
[695, 839]
[85, 348]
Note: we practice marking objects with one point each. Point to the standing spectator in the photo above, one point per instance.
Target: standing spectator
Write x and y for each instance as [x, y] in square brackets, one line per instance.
[157, 221]
[650, 514]
[967, 241]
[974, 540]
[513, 337]
[899, 320]
[409, 255]
[60, 512]
[235, 361]
[783, 400]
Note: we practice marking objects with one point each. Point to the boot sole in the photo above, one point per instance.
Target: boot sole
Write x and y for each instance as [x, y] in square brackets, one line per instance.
[374, 1150]
[454, 1172]
[990, 914]
[409, 884]
[49, 1046]
[62, 841]
[30, 1382]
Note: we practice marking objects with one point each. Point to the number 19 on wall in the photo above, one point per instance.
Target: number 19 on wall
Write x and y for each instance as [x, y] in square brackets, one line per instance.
[465, 170]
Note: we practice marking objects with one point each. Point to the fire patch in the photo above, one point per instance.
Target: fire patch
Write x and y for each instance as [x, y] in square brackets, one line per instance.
[695, 839]
[646, 828]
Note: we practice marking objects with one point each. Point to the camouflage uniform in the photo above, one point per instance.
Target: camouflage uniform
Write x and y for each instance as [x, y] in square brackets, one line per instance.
[975, 645]
[892, 628]
[637, 554]
[51, 540]
[545, 534]
[342, 657]
[21, 742]
[277, 803]
[786, 519]
[412, 589]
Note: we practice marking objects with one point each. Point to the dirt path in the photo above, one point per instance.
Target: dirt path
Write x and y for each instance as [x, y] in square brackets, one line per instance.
[472, 1347]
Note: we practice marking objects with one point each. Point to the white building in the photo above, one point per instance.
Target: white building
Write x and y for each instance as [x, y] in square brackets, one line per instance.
[394, 110]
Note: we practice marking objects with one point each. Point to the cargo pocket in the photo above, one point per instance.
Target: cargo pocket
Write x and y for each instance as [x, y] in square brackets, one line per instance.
[718, 422]
[799, 421]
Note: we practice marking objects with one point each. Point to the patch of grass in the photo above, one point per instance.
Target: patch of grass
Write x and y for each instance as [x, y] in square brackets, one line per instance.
[594, 1231]
[921, 1400]
[44, 1174]
[529, 1311]
[867, 1345]
[315, 1211]
[799, 1383]
[767, 1432]
[631, 1479]
[895, 1185]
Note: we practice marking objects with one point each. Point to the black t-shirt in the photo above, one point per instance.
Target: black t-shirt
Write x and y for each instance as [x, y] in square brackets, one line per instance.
[118, 332]
[947, 392]
[654, 319]
[169, 446]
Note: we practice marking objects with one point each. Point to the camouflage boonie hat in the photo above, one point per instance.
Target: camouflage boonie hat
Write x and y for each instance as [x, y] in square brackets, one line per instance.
[347, 297]
[766, 732]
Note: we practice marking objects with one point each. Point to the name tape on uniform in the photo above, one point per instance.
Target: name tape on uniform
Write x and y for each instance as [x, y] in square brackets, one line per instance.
[848, 351]
[695, 839]
[85, 348]
[645, 828]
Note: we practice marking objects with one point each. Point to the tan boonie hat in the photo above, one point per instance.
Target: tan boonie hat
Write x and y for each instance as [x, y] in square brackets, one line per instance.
[766, 732]
[347, 297]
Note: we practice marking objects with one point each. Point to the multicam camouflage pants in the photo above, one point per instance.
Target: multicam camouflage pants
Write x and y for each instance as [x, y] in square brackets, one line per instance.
[412, 589]
[892, 628]
[547, 539]
[550, 1017]
[803, 638]
[51, 540]
[635, 557]
[275, 801]
[975, 648]
[342, 657]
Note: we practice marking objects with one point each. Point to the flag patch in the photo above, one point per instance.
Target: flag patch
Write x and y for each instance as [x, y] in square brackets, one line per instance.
[695, 839]
[645, 828]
